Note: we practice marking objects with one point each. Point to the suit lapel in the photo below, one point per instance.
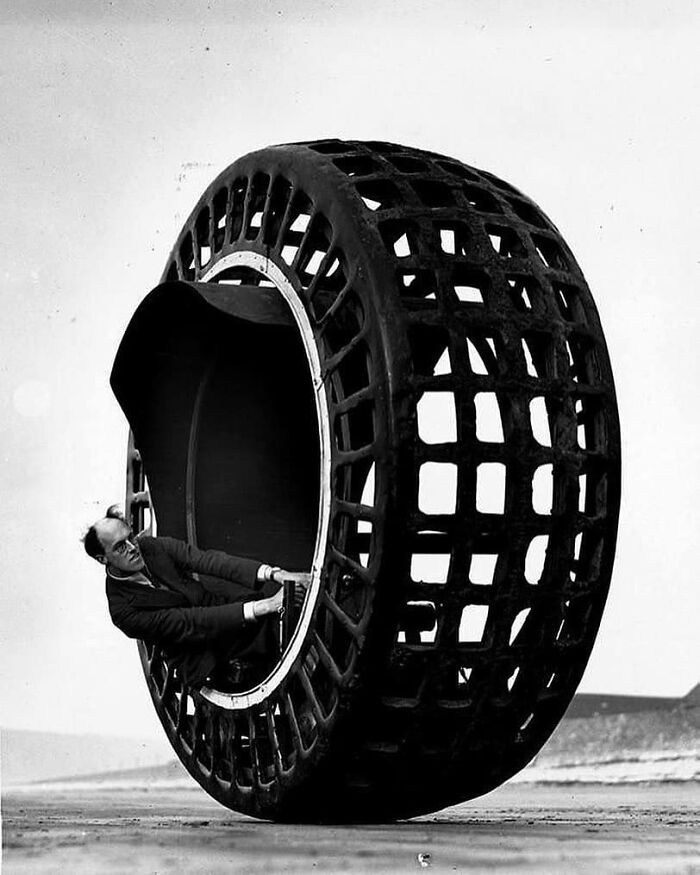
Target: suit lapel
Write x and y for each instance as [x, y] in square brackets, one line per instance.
[163, 571]
[146, 596]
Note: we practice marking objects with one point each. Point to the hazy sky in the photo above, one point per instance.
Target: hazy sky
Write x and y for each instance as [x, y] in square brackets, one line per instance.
[115, 118]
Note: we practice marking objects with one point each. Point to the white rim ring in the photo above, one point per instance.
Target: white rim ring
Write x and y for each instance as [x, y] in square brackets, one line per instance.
[268, 269]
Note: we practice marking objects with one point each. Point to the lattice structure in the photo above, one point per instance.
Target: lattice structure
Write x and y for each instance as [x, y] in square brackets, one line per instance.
[474, 486]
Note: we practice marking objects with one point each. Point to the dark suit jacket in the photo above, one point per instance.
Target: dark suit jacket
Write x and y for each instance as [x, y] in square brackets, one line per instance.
[194, 622]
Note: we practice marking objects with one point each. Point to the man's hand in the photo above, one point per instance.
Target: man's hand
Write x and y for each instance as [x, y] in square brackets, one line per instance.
[273, 604]
[301, 581]
[301, 578]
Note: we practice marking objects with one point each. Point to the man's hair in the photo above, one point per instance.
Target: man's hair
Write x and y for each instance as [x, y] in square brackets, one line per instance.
[92, 544]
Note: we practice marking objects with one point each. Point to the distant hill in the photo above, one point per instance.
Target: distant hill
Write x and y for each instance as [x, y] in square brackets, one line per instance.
[599, 704]
[635, 731]
[659, 743]
[172, 772]
[598, 731]
[27, 756]
[640, 746]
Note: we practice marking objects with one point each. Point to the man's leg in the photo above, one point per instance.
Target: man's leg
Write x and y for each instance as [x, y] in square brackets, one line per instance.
[244, 663]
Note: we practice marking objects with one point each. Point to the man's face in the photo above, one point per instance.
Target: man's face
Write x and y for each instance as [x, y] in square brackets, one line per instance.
[120, 550]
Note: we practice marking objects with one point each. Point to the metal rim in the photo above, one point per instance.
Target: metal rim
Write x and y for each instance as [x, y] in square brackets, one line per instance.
[269, 270]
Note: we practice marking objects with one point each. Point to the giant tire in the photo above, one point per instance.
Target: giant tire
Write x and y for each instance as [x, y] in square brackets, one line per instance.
[379, 710]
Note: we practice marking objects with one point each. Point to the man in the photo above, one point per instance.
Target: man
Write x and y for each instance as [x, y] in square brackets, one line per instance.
[204, 627]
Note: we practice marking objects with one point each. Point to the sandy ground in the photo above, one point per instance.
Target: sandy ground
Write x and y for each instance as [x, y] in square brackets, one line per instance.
[518, 828]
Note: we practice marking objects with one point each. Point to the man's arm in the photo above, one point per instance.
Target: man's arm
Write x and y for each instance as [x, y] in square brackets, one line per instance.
[180, 625]
[238, 569]
[198, 625]
[213, 562]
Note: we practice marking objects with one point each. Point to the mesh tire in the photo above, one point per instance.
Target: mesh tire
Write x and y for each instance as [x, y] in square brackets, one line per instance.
[422, 279]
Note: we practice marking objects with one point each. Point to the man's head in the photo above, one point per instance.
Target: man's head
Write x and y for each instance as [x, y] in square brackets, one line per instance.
[111, 543]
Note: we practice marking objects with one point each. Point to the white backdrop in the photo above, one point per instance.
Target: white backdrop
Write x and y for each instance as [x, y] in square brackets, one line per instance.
[115, 119]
